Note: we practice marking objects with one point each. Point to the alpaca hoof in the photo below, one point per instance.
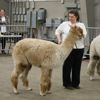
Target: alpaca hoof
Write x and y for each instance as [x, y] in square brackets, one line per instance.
[15, 91]
[91, 78]
[42, 94]
[49, 92]
[29, 89]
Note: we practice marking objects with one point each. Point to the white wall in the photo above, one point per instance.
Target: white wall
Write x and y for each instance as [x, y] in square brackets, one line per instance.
[97, 13]
[54, 9]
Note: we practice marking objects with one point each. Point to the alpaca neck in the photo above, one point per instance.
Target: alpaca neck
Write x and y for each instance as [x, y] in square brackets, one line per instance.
[69, 42]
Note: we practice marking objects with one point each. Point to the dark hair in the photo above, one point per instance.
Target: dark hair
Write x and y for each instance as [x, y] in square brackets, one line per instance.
[2, 9]
[75, 12]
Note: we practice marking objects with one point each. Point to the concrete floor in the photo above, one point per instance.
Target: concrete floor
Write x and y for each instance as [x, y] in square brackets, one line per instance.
[90, 90]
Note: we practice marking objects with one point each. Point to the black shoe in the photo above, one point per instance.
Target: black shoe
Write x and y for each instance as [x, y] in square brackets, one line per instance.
[68, 87]
[3, 52]
[76, 87]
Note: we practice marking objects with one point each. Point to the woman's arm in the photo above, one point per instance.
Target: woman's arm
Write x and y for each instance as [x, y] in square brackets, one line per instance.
[59, 37]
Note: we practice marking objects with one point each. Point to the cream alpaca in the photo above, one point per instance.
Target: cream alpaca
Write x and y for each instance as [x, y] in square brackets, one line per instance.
[44, 54]
[94, 62]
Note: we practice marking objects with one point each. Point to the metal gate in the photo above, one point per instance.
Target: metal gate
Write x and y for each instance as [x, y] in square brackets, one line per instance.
[92, 32]
[12, 35]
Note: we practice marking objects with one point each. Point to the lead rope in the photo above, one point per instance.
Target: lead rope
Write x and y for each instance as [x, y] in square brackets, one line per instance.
[75, 45]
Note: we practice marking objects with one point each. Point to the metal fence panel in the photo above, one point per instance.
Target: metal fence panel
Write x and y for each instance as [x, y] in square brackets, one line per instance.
[92, 32]
[12, 35]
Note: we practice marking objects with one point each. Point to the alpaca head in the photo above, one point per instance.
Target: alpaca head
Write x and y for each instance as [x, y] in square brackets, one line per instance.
[77, 31]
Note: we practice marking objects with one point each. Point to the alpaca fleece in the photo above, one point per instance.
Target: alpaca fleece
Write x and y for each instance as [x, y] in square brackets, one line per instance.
[43, 54]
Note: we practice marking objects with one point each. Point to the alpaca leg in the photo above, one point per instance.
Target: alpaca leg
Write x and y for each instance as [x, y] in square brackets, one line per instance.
[91, 68]
[49, 81]
[98, 67]
[24, 79]
[45, 84]
[14, 76]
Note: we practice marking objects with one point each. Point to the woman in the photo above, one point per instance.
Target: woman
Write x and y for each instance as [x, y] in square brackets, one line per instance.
[72, 64]
[3, 22]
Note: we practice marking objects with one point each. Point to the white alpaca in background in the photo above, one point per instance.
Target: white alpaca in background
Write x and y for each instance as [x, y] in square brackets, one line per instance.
[94, 63]
[44, 54]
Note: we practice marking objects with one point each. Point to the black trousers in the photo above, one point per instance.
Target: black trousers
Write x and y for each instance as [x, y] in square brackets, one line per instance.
[3, 41]
[72, 68]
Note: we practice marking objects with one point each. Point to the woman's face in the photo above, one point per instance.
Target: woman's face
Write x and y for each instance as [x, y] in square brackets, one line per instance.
[2, 13]
[72, 18]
